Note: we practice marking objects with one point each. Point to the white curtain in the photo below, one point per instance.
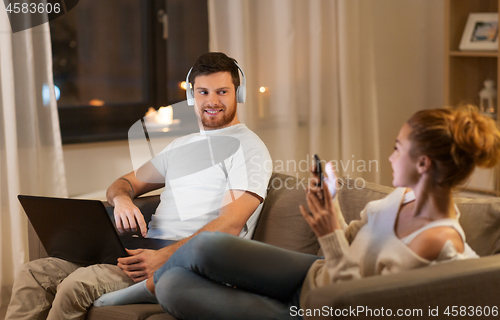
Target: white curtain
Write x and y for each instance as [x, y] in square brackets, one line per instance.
[31, 160]
[315, 60]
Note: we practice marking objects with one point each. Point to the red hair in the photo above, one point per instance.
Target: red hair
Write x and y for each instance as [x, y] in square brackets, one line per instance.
[456, 140]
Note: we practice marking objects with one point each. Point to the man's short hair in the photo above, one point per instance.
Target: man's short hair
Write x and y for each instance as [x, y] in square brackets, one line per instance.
[213, 62]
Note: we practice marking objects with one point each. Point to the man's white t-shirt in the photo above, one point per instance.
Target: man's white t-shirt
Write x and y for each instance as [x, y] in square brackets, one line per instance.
[199, 169]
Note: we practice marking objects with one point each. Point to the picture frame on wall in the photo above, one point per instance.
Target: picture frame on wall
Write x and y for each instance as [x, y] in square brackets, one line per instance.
[481, 32]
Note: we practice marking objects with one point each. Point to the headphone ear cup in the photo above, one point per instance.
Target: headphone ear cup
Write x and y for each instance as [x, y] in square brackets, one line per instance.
[241, 94]
[189, 90]
[190, 96]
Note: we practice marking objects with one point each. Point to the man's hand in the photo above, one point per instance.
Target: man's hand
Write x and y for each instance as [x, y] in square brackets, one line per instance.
[120, 195]
[128, 216]
[142, 263]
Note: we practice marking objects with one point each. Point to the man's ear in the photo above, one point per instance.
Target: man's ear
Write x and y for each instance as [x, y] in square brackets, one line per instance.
[423, 164]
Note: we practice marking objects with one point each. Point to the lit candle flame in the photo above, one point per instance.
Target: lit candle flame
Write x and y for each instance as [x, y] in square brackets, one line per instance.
[96, 103]
[165, 115]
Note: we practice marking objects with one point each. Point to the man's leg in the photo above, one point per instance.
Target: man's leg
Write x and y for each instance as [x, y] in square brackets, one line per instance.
[186, 295]
[79, 290]
[137, 293]
[249, 265]
[35, 287]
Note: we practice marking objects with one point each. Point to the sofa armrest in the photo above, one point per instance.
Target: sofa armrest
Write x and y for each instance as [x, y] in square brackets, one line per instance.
[473, 282]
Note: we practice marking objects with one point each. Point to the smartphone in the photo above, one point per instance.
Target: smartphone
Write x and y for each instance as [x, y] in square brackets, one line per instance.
[319, 171]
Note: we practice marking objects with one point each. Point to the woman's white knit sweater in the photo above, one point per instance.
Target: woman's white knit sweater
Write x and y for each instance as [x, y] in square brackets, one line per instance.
[375, 248]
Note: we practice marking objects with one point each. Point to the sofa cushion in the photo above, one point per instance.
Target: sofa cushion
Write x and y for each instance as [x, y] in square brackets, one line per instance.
[480, 218]
[127, 312]
[161, 316]
[280, 223]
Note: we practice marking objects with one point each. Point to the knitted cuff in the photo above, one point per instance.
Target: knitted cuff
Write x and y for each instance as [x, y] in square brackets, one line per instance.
[334, 244]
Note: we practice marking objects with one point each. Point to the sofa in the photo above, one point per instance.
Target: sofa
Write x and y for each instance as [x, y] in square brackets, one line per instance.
[448, 287]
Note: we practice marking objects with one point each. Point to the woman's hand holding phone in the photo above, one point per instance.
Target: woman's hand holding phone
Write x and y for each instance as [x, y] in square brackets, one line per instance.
[317, 179]
[322, 216]
[331, 179]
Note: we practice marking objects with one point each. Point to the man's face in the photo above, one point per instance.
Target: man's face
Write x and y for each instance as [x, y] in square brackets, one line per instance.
[215, 98]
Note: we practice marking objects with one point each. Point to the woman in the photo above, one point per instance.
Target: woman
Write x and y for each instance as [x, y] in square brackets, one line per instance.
[217, 276]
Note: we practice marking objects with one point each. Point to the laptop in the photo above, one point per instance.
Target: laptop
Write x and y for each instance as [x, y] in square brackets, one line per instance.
[81, 231]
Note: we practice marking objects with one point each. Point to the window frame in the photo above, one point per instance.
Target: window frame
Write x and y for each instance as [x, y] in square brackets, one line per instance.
[84, 124]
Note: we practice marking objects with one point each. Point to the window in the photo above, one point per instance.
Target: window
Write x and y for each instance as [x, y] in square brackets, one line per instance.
[114, 59]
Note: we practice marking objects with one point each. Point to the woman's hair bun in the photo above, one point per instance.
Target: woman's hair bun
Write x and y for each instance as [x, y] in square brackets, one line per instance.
[477, 135]
[456, 140]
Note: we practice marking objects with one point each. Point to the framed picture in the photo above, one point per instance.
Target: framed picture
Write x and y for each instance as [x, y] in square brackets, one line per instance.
[481, 32]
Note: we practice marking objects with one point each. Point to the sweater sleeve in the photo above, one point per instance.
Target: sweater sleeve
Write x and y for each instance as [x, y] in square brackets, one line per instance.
[339, 214]
[335, 247]
[338, 264]
[354, 226]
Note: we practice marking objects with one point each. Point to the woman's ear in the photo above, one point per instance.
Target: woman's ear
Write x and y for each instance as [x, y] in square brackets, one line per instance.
[423, 164]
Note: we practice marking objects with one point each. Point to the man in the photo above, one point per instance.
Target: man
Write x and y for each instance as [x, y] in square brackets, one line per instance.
[224, 196]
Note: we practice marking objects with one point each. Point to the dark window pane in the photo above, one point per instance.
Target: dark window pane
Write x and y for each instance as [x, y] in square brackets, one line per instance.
[98, 56]
[112, 63]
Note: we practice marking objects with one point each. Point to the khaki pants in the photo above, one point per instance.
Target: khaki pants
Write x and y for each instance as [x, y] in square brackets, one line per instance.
[56, 289]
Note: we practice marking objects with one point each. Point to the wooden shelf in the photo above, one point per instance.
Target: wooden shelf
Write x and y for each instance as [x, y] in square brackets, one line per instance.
[490, 54]
[466, 71]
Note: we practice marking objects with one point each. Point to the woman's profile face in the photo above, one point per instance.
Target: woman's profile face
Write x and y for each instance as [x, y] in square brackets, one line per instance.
[404, 167]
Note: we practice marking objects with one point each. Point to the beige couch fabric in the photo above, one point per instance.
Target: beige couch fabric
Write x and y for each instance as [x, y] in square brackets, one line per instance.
[480, 219]
[281, 224]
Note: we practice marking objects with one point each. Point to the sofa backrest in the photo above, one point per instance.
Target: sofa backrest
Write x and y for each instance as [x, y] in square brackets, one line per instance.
[280, 223]
[480, 218]
[355, 194]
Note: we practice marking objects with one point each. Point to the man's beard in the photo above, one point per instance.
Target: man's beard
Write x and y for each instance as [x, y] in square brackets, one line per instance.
[221, 123]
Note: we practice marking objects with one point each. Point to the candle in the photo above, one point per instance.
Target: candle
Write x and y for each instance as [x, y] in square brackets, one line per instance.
[263, 101]
[165, 115]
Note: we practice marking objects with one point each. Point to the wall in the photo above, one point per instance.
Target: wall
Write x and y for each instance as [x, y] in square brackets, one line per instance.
[409, 62]
[92, 167]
